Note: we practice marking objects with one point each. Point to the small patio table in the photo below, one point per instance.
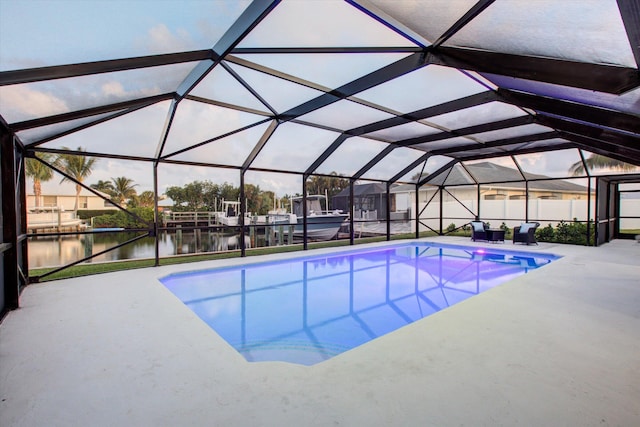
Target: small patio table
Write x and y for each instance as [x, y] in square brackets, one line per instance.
[495, 235]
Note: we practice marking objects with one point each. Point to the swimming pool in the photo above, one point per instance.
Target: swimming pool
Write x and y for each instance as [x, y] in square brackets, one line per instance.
[306, 310]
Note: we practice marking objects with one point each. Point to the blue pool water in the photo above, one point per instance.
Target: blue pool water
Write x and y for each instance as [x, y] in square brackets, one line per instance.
[309, 309]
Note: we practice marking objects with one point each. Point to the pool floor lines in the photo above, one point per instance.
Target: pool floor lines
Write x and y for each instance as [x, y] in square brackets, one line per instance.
[342, 300]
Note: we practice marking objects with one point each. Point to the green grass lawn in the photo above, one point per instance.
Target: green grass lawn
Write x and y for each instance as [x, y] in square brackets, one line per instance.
[630, 231]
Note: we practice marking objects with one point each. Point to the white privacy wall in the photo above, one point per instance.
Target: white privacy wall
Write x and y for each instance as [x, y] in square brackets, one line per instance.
[543, 211]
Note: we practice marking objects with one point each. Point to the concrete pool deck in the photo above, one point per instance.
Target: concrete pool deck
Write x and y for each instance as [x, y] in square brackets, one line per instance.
[559, 346]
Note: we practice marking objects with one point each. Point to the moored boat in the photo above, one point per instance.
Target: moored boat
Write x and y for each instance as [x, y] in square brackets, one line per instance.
[322, 224]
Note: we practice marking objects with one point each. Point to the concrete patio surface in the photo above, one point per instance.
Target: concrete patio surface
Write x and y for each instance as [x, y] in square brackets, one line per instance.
[559, 346]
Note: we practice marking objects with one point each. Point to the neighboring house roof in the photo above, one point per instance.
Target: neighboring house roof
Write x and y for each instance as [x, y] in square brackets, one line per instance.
[486, 172]
[363, 189]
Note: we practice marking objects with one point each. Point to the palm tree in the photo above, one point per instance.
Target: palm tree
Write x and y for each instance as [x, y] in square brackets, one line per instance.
[598, 161]
[77, 167]
[146, 199]
[123, 189]
[332, 184]
[103, 186]
[39, 172]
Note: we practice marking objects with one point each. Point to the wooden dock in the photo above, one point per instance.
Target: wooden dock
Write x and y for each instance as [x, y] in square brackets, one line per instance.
[190, 219]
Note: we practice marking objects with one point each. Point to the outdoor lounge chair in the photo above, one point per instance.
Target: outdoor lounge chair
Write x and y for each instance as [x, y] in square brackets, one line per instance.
[526, 233]
[478, 230]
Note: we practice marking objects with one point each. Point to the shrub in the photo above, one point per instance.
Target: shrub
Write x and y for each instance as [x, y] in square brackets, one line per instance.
[123, 220]
[86, 214]
[574, 233]
[451, 228]
[545, 234]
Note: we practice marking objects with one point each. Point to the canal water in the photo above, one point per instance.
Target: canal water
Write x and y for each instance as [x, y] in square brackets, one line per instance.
[56, 251]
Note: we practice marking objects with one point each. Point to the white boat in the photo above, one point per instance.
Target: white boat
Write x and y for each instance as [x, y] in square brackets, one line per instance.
[230, 215]
[321, 224]
[52, 217]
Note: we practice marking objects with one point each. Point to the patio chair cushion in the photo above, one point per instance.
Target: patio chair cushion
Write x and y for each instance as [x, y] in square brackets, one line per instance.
[478, 226]
[526, 226]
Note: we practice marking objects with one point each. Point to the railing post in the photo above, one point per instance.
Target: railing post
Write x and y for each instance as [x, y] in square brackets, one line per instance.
[156, 217]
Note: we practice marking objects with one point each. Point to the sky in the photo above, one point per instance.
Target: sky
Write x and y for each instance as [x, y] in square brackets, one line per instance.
[35, 33]
[98, 30]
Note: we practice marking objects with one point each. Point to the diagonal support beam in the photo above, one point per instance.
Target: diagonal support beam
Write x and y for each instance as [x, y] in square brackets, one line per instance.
[381, 155]
[259, 146]
[249, 88]
[325, 155]
[460, 23]
[409, 168]
[436, 172]
[248, 20]
[91, 190]
[398, 68]
[211, 140]
[389, 22]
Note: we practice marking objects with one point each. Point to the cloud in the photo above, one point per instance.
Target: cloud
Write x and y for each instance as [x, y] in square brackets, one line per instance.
[160, 39]
[20, 102]
[279, 183]
[113, 89]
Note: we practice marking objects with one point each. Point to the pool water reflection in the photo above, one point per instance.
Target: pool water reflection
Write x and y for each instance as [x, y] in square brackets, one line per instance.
[310, 309]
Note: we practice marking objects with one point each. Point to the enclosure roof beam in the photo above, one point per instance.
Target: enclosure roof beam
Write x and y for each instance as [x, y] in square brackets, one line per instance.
[558, 146]
[623, 153]
[598, 77]
[573, 110]
[470, 130]
[611, 136]
[630, 13]
[31, 75]
[328, 49]
[497, 143]
[424, 113]
[79, 114]
[73, 152]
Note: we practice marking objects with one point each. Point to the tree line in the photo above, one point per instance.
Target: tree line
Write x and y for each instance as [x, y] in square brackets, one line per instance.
[79, 167]
[199, 196]
[208, 196]
[194, 196]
